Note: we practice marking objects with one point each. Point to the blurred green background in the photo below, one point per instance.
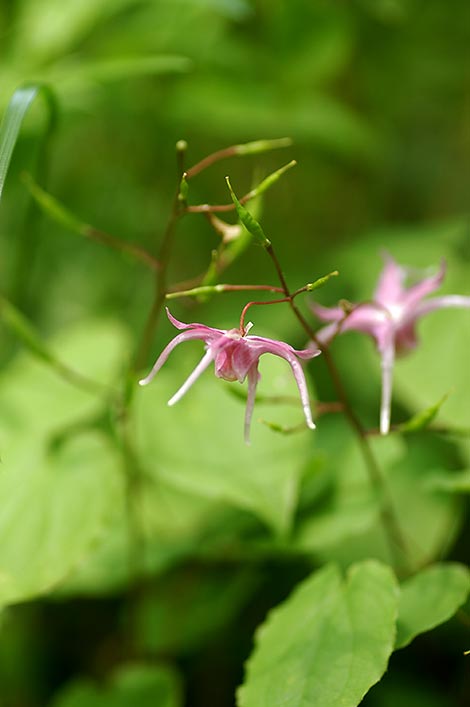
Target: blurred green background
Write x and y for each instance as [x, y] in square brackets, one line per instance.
[375, 96]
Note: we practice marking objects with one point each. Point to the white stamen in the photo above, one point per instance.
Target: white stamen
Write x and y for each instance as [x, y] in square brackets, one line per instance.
[201, 366]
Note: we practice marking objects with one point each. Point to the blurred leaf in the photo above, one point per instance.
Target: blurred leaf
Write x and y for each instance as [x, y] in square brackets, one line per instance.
[189, 607]
[349, 524]
[422, 419]
[54, 509]
[345, 516]
[131, 686]
[450, 481]
[13, 119]
[48, 29]
[74, 76]
[430, 598]
[202, 448]
[170, 525]
[310, 119]
[236, 9]
[95, 349]
[328, 643]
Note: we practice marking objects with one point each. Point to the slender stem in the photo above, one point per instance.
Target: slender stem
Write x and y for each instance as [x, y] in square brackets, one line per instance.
[134, 250]
[218, 208]
[389, 519]
[251, 304]
[163, 256]
[160, 288]
[212, 159]
[216, 289]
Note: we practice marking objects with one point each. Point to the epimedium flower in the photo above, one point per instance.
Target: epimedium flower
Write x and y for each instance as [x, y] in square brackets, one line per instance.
[236, 356]
[390, 318]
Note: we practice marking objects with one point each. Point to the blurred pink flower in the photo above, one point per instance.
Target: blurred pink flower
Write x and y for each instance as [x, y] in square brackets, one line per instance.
[235, 356]
[390, 319]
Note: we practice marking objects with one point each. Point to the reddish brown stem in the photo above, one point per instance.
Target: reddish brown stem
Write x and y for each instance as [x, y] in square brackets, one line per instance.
[211, 159]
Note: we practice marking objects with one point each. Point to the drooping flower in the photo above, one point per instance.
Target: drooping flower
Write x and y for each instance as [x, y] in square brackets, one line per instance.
[236, 356]
[390, 319]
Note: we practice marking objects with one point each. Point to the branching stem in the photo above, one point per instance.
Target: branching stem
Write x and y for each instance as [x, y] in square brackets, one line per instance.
[394, 535]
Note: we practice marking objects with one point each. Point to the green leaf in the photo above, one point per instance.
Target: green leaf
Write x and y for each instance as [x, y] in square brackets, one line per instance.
[250, 223]
[202, 448]
[449, 481]
[13, 119]
[131, 686]
[430, 598]
[54, 509]
[171, 526]
[94, 349]
[422, 419]
[350, 522]
[327, 644]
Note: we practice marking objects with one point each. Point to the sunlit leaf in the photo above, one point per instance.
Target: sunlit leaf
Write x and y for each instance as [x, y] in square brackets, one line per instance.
[327, 644]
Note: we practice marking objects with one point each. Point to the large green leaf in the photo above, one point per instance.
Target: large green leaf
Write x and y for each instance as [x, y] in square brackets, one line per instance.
[327, 644]
[132, 686]
[198, 445]
[54, 509]
[430, 598]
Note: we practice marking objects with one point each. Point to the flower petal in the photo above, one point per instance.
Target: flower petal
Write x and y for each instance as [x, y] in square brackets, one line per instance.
[387, 363]
[441, 302]
[390, 285]
[279, 348]
[194, 325]
[413, 296]
[327, 314]
[179, 338]
[201, 366]
[253, 378]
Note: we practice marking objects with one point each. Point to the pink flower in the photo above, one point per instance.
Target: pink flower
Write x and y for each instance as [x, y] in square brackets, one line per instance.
[390, 319]
[235, 356]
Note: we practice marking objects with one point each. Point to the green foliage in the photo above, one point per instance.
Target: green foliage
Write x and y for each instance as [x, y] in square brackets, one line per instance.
[132, 533]
[56, 508]
[429, 598]
[262, 478]
[13, 119]
[422, 419]
[133, 686]
[328, 643]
